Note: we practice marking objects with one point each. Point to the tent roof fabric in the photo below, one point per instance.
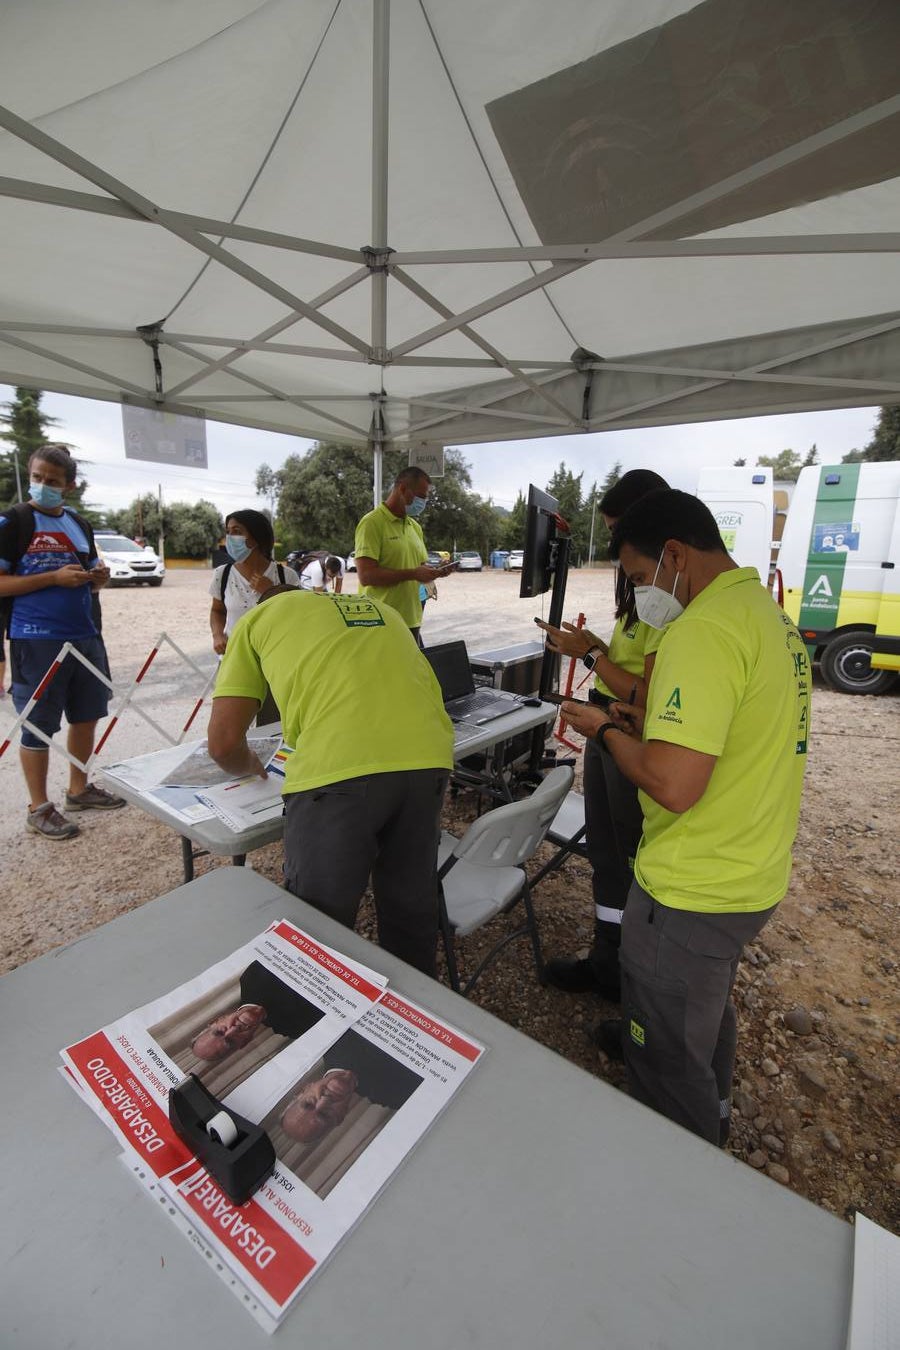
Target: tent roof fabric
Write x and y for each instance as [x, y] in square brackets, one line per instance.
[409, 221]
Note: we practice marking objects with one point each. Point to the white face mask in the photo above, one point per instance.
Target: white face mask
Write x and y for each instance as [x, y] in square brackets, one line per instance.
[656, 607]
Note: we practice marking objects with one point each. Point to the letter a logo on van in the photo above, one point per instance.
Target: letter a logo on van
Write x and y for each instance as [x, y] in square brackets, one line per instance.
[674, 699]
[821, 586]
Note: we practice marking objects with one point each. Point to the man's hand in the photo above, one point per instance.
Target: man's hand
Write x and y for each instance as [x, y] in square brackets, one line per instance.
[446, 568]
[571, 641]
[585, 718]
[427, 573]
[219, 644]
[72, 575]
[99, 576]
[628, 718]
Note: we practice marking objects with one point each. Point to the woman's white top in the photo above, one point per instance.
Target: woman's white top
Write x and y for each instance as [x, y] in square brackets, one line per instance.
[239, 594]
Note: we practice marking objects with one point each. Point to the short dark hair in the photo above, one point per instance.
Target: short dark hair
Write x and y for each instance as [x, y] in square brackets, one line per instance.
[407, 477]
[660, 516]
[333, 565]
[630, 488]
[281, 589]
[59, 456]
[258, 526]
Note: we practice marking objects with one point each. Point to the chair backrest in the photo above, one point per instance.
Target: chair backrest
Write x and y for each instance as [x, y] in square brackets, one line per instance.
[509, 835]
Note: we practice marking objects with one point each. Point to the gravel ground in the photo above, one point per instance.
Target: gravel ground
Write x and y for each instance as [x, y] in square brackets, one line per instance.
[816, 1083]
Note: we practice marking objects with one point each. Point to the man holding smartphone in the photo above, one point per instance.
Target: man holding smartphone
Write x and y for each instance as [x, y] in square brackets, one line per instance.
[390, 549]
[719, 764]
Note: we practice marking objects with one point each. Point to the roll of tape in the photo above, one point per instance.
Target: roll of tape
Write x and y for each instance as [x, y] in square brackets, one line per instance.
[222, 1129]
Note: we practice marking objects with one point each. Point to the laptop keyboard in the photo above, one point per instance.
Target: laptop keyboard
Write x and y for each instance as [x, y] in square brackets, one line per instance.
[473, 703]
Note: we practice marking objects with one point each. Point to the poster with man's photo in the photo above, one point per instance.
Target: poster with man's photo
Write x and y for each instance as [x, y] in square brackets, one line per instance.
[344, 1075]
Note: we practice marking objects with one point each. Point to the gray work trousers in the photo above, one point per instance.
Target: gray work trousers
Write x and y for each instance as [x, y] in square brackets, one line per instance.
[679, 1031]
[386, 826]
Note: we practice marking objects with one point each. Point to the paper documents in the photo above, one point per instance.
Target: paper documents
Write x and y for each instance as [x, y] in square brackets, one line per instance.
[875, 1299]
[344, 1075]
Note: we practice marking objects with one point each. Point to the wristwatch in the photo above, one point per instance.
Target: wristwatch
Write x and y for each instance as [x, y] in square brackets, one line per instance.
[600, 736]
[589, 659]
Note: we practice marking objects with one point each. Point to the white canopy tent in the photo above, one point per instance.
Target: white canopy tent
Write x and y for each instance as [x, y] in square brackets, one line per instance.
[403, 221]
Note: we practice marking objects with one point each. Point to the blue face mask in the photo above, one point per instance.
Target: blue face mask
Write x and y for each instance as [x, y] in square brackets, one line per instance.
[416, 506]
[43, 495]
[237, 547]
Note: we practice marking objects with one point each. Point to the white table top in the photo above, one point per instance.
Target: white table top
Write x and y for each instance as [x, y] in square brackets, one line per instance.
[544, 1208]
[215, 836]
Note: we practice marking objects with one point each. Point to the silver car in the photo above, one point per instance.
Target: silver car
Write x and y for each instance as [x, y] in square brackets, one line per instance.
[468, 561]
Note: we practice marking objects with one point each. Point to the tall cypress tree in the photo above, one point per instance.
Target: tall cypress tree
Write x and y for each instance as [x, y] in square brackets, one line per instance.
[24, 424]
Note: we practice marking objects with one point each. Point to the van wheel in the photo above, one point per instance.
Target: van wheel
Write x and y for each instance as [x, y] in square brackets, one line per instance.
[846, 665]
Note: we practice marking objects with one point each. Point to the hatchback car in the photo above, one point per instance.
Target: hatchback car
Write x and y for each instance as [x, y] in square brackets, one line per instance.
[515, 560]
[129, 564]
[469, 561]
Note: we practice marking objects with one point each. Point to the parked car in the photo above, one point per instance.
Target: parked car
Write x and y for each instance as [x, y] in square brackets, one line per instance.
[515, 560]
[350, 564]
[129, 564]
[469, 561]
[437, 557]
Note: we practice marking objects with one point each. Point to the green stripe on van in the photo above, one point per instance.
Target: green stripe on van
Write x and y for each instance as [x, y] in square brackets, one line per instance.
[824, 579]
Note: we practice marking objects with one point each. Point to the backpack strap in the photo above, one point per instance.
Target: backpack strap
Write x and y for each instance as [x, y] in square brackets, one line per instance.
[280, 574]
[226, 573]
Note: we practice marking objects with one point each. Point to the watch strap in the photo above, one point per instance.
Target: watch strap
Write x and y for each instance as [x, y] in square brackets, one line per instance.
[600, 737]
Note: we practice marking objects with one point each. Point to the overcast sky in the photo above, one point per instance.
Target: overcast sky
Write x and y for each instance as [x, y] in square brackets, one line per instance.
[499, 471]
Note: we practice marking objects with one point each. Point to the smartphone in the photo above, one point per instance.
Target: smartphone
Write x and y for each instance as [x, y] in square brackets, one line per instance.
[562, 698]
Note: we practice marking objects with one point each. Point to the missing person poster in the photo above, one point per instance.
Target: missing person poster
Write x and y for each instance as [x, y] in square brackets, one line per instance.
[344, 1075]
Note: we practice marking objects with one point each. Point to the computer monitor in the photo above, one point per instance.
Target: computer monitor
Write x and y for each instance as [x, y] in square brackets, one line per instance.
[540, 533]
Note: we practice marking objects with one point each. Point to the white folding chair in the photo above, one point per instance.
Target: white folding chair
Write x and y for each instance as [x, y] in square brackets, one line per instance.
[567, 831]
[483, 874]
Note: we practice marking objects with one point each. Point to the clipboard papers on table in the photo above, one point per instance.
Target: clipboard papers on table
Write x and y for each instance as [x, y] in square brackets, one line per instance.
[246, 802]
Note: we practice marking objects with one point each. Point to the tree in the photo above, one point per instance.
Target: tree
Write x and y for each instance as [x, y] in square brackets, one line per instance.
[785, 466]
[601, 530]
[268, 485]
[25, 423]
[739, 463]
[885, 441]
[192, 529]
[512, 528]
[324, 493]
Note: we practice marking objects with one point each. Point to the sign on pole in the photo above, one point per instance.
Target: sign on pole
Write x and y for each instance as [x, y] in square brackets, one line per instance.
[429, 457]
[163, 437]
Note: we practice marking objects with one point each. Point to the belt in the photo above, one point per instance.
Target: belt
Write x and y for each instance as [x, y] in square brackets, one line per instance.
[602, 700]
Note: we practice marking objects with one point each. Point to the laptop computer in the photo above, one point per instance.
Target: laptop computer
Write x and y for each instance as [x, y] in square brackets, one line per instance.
[462, 701]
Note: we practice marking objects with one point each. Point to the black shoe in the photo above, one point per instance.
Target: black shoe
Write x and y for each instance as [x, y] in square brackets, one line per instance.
[607, 1036]
[570, 974]
[576, 976]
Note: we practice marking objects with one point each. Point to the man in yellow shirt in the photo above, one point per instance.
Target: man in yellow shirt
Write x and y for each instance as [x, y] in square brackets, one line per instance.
[390, 549]
[720, 770]
[372, 750]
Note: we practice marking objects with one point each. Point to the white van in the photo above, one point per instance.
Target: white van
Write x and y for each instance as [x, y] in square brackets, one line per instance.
[742, 501]
[839, 562]
[129, 564]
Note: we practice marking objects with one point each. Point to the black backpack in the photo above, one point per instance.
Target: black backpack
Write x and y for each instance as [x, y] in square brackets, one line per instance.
[226, 572]
[22, 517]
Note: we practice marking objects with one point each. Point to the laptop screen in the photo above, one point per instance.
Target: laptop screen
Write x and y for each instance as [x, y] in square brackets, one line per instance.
[450, 663]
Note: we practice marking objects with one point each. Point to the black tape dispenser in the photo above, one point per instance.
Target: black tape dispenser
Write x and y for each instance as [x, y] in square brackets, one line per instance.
[237, 1153]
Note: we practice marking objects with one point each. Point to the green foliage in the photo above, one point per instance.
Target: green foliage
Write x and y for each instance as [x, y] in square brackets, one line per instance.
[192, 530]
[885, 441]
[786, 465]
[512, 529]
[268, 485]
[325, 492]
[24, 429]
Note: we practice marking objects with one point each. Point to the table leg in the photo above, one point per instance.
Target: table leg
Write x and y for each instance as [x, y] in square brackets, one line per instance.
[187, 858]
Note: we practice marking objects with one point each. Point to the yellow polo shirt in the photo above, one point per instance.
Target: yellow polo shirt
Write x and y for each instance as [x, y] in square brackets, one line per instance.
[732, 679]
[393, 543]
[629, 648]
[356, 695]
